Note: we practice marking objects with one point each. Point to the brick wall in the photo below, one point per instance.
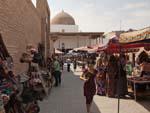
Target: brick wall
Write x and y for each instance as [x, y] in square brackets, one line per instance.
[20, 25]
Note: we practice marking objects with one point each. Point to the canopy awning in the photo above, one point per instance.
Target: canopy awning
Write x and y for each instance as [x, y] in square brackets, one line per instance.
[89, 49]
[127, 48]
[58, 51]
[142, 35]
[115, 47]
[85, 48]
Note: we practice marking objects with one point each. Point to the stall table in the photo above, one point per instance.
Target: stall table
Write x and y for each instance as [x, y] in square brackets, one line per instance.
[139, 80]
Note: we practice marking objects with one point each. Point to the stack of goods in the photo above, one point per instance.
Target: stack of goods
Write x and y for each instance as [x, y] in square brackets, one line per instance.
[36, 82]
[29, 94]
[7, 85]
[31, 56]
[19, 95]
[48, 79]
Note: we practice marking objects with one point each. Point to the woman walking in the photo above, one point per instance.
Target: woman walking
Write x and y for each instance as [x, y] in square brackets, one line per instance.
[74, 64]
[89, 86]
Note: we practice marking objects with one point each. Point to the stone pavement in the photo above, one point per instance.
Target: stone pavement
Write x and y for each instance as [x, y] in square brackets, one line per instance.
[68, 98]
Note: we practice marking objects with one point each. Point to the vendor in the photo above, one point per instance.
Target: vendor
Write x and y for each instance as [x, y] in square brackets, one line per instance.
[145, 67]
[144, 64]
[129, 66]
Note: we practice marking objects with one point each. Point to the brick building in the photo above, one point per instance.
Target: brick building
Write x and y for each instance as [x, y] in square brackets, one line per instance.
[22, 24]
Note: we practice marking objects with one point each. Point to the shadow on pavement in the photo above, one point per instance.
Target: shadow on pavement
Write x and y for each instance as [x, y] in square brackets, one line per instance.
[145, 102]
[67, 98]
[77, 85]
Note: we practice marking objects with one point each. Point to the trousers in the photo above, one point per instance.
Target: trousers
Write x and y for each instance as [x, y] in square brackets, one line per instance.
[57, 75]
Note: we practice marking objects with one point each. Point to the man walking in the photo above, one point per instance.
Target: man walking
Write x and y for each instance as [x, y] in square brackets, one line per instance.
[57, 72]
[74, 64]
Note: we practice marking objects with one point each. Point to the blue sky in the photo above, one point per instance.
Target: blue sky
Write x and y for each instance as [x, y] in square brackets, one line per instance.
[105, 15]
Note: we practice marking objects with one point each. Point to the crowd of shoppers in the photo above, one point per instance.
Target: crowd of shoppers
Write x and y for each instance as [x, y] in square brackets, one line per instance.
[109, 81]
[107, 78]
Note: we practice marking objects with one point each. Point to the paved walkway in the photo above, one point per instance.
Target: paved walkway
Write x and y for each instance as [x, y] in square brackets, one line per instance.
[68, 98]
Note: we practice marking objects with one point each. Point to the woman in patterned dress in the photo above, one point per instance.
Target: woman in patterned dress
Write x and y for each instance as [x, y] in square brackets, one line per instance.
[100, 78]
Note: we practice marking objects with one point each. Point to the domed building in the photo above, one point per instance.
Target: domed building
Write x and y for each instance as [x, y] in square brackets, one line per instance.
[63, 22]
[63, 18]
[66, 36]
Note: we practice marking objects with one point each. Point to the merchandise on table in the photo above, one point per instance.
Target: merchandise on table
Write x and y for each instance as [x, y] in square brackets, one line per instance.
[140, 78]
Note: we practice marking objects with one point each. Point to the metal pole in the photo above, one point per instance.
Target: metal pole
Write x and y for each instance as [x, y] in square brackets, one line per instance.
[118, 88]
[118, 103]
[119, 74]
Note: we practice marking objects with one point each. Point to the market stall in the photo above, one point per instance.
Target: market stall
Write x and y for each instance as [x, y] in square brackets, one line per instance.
[131, 42]
[139, 81]
[35, 72]
[21, 93]
[140, 38]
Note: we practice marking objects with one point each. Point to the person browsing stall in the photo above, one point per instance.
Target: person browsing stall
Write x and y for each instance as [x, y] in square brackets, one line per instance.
[57, 72]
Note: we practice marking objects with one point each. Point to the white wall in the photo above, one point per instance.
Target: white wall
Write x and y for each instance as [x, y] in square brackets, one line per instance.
[66, 28]
[74, 42]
